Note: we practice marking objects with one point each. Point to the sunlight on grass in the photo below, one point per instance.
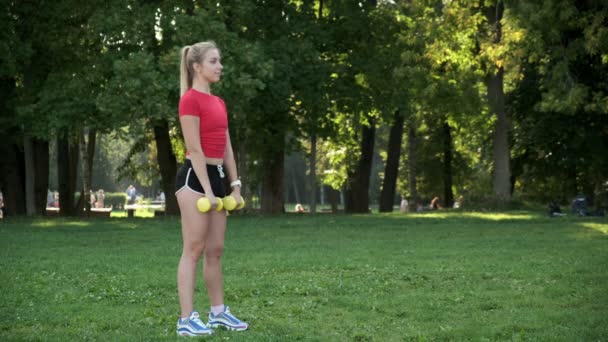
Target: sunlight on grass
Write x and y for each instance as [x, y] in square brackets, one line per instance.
[58, 222]
[69, 222]
[500, 216]
[485, 216]
[600, 227]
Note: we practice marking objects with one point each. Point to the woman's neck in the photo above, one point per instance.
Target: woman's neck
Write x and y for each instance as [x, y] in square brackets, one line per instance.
[201, 86]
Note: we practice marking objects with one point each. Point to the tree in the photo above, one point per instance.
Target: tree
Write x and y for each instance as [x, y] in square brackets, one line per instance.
[559, 107]
[49, 69]
[496, 100]
[392, 163]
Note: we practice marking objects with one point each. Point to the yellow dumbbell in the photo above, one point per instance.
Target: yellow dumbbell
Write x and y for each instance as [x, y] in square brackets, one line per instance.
[241, 205]
[230, 203]
[203, 204]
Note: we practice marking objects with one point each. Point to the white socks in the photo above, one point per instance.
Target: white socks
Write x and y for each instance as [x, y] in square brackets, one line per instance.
[217, 309]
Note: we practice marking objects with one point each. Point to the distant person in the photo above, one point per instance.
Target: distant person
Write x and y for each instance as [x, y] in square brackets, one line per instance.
[579, 205]
[204, 121]
[56, 199]
[435, 203]
[50, 199]
[458, 203]
[101, 196]
[131, 194]
[403, 206]
[92, 198]
[299, 208]
[555, 210]
[161, 197]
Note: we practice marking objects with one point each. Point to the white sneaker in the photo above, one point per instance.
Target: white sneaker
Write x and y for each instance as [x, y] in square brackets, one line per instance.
[192, 326]
[227, 320]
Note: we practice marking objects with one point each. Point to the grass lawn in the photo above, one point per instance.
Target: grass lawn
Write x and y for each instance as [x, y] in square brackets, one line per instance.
[416, 277]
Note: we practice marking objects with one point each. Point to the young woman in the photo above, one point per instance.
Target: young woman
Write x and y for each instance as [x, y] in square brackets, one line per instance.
[204, 121]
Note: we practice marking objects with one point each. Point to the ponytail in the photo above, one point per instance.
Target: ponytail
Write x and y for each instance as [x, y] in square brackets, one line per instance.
[192, 54]
[185, 78]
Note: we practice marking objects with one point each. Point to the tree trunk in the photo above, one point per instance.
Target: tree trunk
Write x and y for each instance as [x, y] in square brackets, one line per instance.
[412, 162]
[496, 102]
[67, 167]
[448, 195]
[296, 192]
[501, 176]
[63, 174]
[333, 196]
[313, 173]
[167, 165]
[85, 172]
[41, 174]
[14, 194]
[357, 192]
[517, 169]
[91, 143]
[320, 9]
[272, 180]
[391, 171]
[28, 151]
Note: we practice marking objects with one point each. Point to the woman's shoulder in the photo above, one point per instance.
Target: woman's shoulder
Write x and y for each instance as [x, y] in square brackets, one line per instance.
[188, 95]
[188, 104]
[195, 95]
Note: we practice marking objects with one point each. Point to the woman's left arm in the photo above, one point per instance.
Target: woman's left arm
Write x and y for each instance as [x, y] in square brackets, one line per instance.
[231, 168]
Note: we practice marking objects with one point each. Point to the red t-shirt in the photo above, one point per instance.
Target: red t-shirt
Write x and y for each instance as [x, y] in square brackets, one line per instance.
[213, 117]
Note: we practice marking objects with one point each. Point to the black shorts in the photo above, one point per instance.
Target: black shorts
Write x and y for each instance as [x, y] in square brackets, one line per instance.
[186, 178]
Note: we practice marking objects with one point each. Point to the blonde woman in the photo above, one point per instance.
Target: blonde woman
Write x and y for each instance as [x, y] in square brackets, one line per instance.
[209, 159]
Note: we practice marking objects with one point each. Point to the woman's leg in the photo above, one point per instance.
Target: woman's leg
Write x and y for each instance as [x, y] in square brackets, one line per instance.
[214, 248]
[194, 229]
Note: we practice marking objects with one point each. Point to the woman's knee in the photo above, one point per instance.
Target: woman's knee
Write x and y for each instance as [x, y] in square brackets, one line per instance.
[194, 250]
[215, 251]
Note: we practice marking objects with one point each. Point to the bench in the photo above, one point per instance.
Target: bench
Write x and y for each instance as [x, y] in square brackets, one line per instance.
[157, 206]
[95, 212]
[101, 212]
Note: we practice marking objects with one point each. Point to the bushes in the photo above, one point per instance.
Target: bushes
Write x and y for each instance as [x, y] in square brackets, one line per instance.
[115, 199]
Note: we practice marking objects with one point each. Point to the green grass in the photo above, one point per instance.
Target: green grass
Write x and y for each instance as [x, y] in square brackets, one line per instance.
[417, 277]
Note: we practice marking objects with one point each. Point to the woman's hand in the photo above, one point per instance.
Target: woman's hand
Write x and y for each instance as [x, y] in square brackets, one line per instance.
[236, 193]
[213, 201]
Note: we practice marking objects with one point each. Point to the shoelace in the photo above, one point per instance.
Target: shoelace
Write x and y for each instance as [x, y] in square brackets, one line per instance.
[227, 313]
[198, 321]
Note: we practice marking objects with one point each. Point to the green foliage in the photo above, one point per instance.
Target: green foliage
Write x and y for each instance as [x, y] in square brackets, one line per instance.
[136, 93]
[559, 108]
[116, 200]
[336, 160]
[567, 53]
[291, 73]
[431, 276]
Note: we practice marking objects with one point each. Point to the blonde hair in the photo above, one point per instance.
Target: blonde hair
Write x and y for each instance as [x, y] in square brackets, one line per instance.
[192, 54]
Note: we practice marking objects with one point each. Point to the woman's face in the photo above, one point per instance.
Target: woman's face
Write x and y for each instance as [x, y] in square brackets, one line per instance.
[211, 69]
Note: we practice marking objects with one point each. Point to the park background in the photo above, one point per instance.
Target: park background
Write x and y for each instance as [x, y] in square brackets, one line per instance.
[500, 102]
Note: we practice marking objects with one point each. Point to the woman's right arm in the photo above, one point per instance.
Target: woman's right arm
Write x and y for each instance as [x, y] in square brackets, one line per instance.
[190, 130]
